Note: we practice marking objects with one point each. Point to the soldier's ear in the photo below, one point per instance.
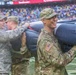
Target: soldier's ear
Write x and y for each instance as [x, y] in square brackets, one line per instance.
[43, 20]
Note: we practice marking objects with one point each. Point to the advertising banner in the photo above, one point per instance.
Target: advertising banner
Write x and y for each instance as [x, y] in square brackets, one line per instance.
[53, 0]
[16, 2]
[36, 1]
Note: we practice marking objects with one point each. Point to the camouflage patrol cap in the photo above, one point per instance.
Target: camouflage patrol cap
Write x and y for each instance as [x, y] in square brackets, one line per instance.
[47, 13]
[2, 17]
[13, 18]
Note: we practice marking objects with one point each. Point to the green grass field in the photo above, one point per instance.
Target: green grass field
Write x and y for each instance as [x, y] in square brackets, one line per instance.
[32, 65]
[71, 68]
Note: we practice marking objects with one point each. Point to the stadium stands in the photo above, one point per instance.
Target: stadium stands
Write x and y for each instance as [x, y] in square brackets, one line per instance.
[32, 13]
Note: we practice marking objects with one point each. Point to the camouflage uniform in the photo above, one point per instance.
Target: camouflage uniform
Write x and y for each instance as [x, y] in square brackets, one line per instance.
[20, 58]
[5, 47]
[51, 59]
[22, 67]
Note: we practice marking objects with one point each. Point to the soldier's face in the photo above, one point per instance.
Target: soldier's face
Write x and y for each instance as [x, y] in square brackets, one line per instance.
[51, 22]
[9, 25]
[1, 23]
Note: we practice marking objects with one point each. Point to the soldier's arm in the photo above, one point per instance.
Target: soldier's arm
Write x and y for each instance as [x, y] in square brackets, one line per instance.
[52, 54]
[12, 34]
[23, 48]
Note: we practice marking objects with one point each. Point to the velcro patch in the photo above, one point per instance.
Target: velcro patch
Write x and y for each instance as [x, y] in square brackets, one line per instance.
[48, 46]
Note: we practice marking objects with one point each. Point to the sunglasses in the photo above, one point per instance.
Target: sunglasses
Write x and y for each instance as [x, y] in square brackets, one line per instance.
[52, 17]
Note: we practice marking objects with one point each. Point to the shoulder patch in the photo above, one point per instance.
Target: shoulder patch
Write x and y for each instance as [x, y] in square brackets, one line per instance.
[48, 46]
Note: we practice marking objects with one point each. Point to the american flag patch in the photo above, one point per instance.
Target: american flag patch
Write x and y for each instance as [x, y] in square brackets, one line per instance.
[48, 46]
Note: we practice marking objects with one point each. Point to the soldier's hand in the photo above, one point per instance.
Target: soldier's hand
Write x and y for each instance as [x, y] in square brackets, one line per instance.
[74, 49]
[27, 24]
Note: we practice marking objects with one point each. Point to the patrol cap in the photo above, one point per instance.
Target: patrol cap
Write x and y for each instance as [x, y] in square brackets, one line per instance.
[13, 18]
[2, 17]
[47, 13]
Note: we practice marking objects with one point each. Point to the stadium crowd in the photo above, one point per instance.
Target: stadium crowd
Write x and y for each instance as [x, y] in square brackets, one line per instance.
[32, 14]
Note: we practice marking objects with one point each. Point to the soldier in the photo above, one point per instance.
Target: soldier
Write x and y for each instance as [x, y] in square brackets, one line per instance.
[2, 20]
[20, 65]
[51, 59]
[5, 47]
